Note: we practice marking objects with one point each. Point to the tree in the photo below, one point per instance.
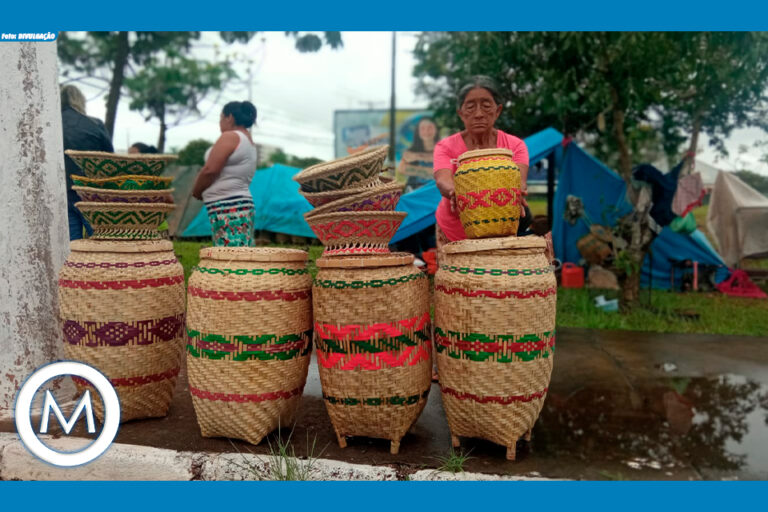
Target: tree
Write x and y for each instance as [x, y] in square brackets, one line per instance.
[280, 157]
[194, 152]
[112, 56]
[173, 89]
[754, 180]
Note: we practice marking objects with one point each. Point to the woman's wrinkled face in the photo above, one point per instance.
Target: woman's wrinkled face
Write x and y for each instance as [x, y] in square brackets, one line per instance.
[427, 130]
[226, 123]
[479, 111]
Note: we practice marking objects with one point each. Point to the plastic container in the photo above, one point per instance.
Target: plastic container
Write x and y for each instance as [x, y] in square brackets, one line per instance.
[572, 276]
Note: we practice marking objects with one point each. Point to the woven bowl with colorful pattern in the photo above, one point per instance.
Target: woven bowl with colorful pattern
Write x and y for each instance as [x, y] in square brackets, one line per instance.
[130, 182]
[345, 172]
[378, 198]
[348, 233]
[99, 164]
[101, 195]
[125, 221]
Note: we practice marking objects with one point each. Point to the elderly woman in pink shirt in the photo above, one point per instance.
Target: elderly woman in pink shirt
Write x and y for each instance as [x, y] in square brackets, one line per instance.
[479, 106]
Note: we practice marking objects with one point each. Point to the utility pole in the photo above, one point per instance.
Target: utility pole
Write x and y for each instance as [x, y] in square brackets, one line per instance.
[392, 107]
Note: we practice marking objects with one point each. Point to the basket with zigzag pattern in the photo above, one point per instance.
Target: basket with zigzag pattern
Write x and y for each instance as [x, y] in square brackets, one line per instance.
[374, 354]
[494, 336]
[377, 198]
[318, 199]
[99, 164]
[249, 327]
[349, 171]
[102, 195]
[488, 195]
[122, 311]
[123, 182]
[354, 233]
[125, 221]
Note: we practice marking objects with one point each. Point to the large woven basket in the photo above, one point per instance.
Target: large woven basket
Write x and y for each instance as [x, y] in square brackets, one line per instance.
[129, 182]
[318, 199]
[488, 193]
[377, 198]
[494, 336]
[372, 332]
[351, 233]
[249, 329]
[122, 308]
[345, 172]
[99, 164]
[102, 195]
[125, 221]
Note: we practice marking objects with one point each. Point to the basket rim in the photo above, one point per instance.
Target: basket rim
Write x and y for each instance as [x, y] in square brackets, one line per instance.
[73, 153]
[354, 215]
[318, 170]
[117, 192]
[146, 177]
[474, 153]
[260, 254]
[127, 246]
[394, 259]
[91, 206]
[392, 186]
[370, 182]
[492, 244]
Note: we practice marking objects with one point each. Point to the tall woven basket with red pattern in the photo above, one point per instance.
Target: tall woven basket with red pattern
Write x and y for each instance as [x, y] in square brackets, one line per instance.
[122, 308]
[249, 327]
[494, 336]
[372, 331]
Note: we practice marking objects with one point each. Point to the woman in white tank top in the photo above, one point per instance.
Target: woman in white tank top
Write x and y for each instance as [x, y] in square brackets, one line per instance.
[223, 182]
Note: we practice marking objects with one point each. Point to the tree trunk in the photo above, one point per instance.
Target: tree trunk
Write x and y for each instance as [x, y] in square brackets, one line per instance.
[163, 128]
[690, 157]
[116, 84]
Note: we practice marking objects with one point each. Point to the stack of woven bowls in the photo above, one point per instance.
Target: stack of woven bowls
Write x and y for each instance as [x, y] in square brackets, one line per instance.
[495, 297]
[371, 307]
[121, 292]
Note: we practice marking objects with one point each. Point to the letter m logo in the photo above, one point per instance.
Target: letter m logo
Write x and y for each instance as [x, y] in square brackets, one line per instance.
[84, 404]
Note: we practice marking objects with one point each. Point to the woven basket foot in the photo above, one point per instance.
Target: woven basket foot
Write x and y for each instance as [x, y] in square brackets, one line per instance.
[511, 452]
[527, 436]
[394, 447]
[455, 441]
[342, 440]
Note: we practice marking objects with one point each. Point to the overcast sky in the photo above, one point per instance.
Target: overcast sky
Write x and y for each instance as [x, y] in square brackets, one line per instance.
[296, 94]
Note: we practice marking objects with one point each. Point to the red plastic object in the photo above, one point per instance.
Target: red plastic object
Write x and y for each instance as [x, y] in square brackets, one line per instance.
[740, 285]
[430, 258]
[572, 276]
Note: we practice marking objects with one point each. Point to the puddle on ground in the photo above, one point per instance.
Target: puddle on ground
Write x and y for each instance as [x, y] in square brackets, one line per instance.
[718, 423]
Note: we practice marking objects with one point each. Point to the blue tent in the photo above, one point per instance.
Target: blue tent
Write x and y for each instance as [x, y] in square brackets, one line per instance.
[603, 193]
[279, 206]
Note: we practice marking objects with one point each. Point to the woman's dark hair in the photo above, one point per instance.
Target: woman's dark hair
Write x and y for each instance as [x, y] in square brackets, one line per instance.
[418, 145]
[484, 82]
[144, 148]
[243, 111]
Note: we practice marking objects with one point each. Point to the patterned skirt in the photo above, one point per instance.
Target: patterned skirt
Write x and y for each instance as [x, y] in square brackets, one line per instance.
[232, 222]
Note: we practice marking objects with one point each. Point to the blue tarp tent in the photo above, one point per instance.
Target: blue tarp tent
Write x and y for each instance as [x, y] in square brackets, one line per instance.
[603, 193]
[279, 206]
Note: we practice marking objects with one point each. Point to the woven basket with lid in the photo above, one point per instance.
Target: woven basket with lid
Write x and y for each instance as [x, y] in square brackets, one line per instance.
[122, 309]
[372, 332]
[488, 193]
[249, 326]
[494, 336]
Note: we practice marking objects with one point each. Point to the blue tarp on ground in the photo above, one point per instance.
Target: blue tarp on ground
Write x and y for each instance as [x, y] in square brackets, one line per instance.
[603, 193]
[279, 206]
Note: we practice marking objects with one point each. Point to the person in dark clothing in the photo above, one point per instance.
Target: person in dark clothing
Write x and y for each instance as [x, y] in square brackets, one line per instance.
[83, 133]
[141, 148]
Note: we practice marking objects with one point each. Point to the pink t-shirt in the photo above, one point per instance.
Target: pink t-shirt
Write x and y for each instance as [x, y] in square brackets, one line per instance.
[447, 151]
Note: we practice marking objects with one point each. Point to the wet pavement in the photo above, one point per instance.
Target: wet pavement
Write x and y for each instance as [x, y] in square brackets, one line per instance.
[621, 405]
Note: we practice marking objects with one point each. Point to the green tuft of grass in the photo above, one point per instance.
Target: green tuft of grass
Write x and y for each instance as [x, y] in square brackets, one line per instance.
[453, 462]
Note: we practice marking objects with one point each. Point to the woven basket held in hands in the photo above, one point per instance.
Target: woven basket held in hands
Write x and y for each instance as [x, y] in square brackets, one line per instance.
[349, 171]
[487, 185]
[494, 336]
[372, 331]
[249, 326]
[122, 308]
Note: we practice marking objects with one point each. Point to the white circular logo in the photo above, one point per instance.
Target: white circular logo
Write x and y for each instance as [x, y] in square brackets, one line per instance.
[24, 421]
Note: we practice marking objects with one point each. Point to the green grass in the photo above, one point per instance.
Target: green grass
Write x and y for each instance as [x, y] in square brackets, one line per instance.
[717, 313]
[188, 254]
[538, 205]
[453, 462]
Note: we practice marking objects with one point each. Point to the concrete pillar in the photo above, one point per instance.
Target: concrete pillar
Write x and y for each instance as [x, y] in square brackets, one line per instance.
[34, 234]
